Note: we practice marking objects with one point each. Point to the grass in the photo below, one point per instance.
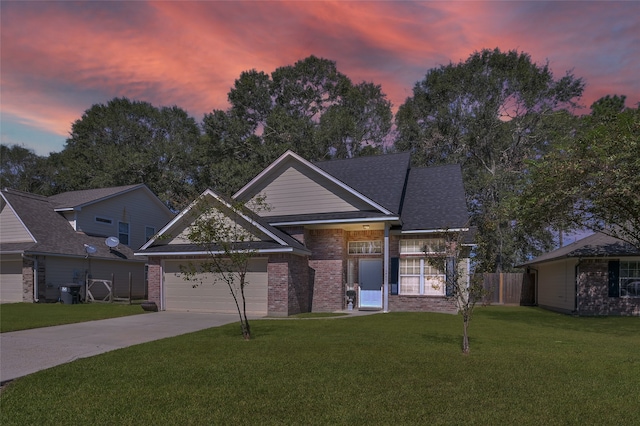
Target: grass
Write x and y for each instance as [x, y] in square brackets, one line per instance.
[526, 367]
[22, 316]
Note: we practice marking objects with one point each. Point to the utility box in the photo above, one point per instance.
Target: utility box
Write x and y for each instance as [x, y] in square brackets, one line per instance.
[70, 293]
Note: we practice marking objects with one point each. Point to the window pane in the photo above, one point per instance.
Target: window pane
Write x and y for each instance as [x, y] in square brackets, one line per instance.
[409, 285]
[434, 284]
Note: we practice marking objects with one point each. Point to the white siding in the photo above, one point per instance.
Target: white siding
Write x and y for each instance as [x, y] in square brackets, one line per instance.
[556, 285]
[11, 229]
[136, 208]
[10, 280]
[294, 191]
[213, 295]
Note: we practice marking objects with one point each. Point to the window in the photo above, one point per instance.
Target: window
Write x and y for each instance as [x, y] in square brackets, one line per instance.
[630, 278]
[428, 246]
[418, 277]
[149, 231]
[123, 233]
[365, 247]
[103, 220]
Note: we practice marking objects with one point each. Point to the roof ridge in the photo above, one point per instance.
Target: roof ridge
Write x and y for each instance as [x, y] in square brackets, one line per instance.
[25, 194]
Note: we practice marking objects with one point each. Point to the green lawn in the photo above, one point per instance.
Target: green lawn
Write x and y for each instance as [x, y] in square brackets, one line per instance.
[527, 367]
[22, 316]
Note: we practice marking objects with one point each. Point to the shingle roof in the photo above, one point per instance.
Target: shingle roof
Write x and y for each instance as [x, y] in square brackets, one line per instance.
[435, 199]
[379, 177]
[596, 245]
[79, 198]
[52, 232]
[268, 243]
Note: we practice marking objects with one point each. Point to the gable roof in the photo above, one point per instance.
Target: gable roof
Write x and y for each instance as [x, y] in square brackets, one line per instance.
[273, 240]
[78, 199]
[252, 188]
[435, 199]
[380, 177]
[426, 199]
[596, 245]
[52, 233]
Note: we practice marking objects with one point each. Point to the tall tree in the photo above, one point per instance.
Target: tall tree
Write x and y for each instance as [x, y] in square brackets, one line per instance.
[309, 107]
[22, 169]
[125, 142]
[489, 114]
[590, 179]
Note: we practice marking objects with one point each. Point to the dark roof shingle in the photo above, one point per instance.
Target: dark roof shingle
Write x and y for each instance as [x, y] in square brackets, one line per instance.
[380, 177]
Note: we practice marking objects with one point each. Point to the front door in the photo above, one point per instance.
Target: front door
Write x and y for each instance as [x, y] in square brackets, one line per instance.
[370, 281]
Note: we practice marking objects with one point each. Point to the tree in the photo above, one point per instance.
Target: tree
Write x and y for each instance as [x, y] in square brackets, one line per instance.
[127, 142]
[22, 169]
[490, 114]
[227, 231]
[309, 107]
[463, 287]
[590, 179]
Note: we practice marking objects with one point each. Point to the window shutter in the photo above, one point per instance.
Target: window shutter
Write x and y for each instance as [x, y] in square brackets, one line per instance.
[394, 272]
[614, 278]
[450, 270]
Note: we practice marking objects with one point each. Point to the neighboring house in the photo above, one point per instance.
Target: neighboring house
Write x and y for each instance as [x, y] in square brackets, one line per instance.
[360, 224]
[597, 275]
[46, 242]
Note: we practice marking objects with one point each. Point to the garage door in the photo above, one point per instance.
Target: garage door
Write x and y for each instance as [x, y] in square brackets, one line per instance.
[11, 281]
[213, 295]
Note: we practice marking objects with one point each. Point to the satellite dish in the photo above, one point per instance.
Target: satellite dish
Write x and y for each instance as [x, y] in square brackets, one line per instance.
[90, 249]
[112, 242]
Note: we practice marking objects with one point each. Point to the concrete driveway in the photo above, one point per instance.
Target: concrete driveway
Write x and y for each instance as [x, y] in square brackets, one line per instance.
[25, 352]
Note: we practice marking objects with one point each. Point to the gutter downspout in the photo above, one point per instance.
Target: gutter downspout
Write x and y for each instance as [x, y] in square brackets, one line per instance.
[35, 276]
[529, 268]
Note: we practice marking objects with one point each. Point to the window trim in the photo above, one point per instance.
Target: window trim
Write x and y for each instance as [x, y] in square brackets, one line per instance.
[102, 220]
[635, 279]
[375, 244]
[147, 237]
[418, 246]
[128, 233]
[423, 277]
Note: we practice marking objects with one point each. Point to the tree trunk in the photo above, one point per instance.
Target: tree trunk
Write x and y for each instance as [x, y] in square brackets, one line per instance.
[465, 337]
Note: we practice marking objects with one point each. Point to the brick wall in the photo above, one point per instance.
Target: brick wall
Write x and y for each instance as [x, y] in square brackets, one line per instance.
[593, 292]
[398, 303]
[154, 279]
[328, 264]
[289, 290]
[27, 280]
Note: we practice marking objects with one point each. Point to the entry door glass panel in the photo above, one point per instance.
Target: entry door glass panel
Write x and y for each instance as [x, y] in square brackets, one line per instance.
[370, 280]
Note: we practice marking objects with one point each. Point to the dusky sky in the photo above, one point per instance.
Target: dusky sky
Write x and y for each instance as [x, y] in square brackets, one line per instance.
[58, 58]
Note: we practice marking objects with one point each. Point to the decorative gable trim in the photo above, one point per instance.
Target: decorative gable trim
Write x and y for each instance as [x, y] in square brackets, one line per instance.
[18, 218]
[223, 202]
[292, 155]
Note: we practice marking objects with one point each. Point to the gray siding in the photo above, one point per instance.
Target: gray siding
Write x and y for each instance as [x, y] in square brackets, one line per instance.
[296, 191]
[136, 208]
[65, 270]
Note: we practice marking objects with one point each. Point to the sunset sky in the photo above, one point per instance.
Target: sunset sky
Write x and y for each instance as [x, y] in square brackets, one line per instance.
[58, 58]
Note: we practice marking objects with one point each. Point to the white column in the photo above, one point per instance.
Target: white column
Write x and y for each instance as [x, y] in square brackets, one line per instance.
[385, 292]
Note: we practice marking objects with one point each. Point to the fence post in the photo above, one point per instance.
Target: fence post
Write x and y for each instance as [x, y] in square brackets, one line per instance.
[129, 287]
[501, 289]
[113, 288]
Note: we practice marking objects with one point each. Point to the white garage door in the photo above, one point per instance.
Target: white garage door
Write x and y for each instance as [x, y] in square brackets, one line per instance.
[10, 281]
[213, 295]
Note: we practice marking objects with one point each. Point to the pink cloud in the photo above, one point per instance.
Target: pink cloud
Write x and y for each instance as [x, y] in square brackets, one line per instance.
[59, 58]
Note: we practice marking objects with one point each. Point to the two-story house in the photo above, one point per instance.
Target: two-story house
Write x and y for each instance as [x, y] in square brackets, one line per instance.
[46, 242]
